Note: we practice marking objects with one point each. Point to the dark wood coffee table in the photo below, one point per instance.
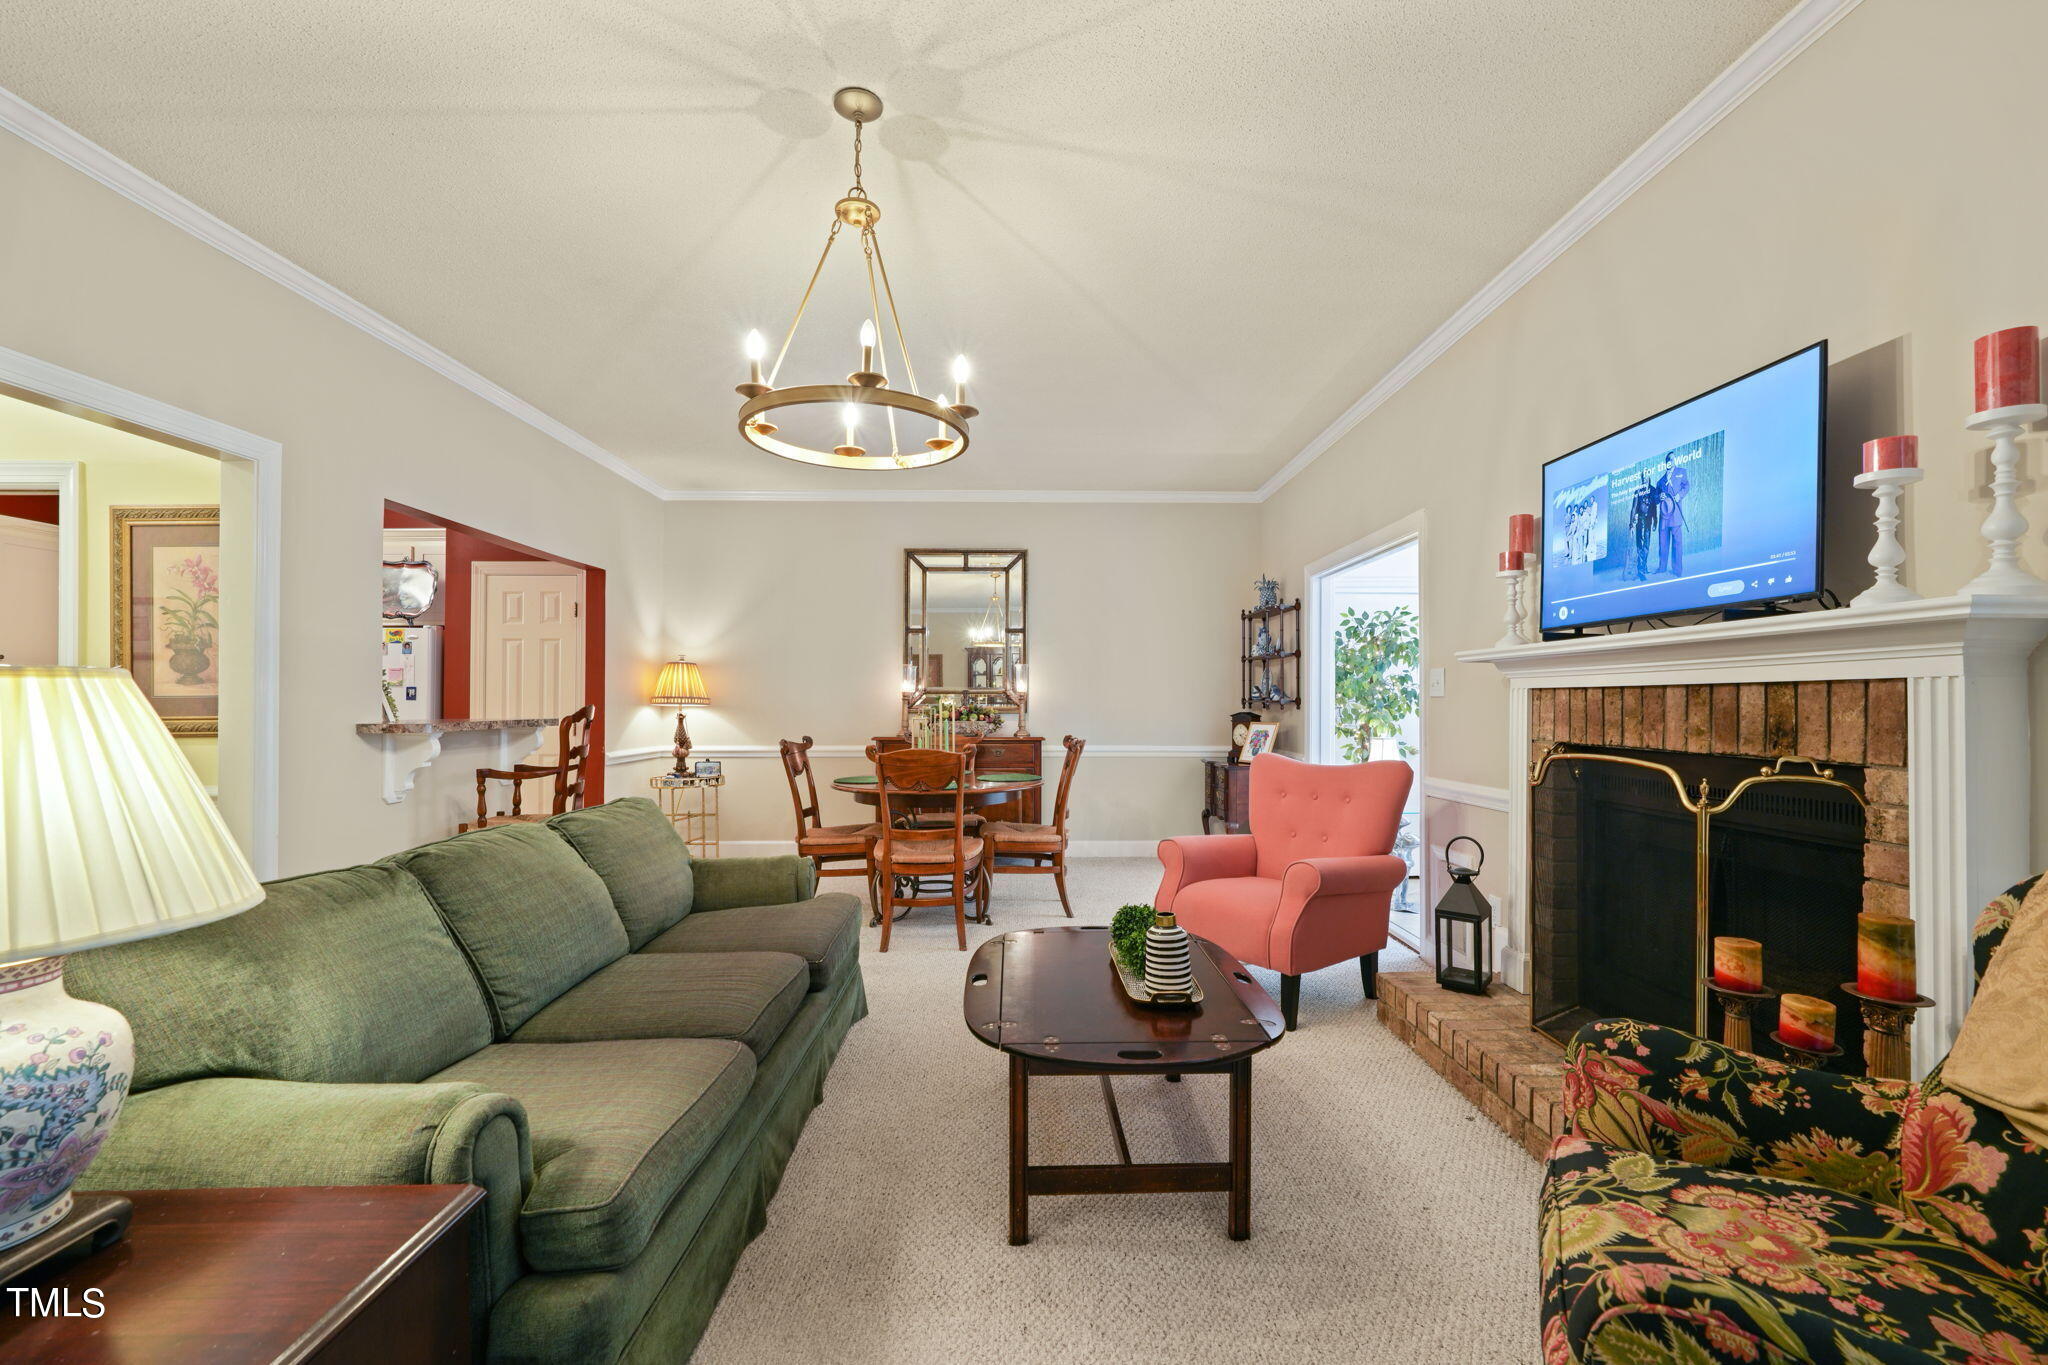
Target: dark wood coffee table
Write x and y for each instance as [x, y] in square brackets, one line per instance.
[1050, 999]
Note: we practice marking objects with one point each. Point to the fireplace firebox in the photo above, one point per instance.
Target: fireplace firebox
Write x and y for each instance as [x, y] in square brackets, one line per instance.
[1643, 856]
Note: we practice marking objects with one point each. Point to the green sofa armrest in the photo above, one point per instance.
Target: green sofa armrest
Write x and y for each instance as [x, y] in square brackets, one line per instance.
[725, 883]
[229, 1131]
[1675, 1097]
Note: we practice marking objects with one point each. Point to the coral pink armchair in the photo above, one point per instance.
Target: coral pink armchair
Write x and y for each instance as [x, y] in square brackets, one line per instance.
[1311, 884]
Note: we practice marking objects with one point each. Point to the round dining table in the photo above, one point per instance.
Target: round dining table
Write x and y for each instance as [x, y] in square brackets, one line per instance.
[986, 789]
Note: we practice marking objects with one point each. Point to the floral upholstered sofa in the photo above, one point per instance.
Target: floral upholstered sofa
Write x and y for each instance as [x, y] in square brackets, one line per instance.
[1708, 1205]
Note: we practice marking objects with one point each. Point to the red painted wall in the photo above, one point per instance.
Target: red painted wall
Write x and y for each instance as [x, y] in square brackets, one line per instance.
[30, 506]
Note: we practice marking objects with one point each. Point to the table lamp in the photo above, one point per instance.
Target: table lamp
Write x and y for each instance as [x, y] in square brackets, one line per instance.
[681, 686]
[105, 836]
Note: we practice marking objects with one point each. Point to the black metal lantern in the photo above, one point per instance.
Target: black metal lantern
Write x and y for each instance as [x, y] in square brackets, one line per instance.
[1464, 957]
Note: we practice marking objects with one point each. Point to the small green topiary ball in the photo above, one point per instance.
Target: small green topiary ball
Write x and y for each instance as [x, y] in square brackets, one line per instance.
[1127, 935]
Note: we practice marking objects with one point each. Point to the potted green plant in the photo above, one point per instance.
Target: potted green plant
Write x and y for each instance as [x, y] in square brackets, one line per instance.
[1377, 656]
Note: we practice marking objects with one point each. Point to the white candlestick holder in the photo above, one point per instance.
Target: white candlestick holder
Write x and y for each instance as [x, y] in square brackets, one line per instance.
[1517, 610]
[2005, 527]
[1888, 554]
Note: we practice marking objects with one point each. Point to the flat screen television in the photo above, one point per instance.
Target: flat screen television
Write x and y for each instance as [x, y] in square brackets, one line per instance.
[1713, 503]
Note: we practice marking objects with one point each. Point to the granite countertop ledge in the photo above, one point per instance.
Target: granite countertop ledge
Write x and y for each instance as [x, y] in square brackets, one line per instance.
[442, 727]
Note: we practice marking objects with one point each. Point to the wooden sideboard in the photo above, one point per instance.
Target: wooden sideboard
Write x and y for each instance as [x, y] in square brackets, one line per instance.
[1013, 754]
[1227, 795]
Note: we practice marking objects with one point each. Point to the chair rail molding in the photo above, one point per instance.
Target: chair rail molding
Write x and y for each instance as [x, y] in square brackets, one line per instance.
[643, 754]
[1466, 793]
[1968, 759]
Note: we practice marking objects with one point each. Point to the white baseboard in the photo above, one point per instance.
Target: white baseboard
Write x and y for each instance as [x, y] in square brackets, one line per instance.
[1079, 848]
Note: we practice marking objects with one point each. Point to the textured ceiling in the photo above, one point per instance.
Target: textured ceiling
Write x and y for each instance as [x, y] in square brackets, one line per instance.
[1177, 237]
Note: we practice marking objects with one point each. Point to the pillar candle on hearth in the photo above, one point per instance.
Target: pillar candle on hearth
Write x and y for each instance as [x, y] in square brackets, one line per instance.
[1739, 964]
[1806, 1023]
[1522, 533]
[1891, 452]
[1884, 957]
[2008, 368]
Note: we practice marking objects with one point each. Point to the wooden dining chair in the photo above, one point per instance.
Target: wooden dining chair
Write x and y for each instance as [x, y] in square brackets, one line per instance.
[890, 743]
[572, 757]
[1041, 848]
[923, 854]
[838, 850]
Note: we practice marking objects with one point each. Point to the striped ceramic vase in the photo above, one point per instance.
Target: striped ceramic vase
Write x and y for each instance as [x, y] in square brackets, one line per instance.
[1168, 967]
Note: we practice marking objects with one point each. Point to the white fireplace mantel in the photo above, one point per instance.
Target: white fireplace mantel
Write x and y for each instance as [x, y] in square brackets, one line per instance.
[1968, 756]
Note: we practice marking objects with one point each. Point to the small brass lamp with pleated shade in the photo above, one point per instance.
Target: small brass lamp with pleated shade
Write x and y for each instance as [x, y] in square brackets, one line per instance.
[106, 836]
[680, 685]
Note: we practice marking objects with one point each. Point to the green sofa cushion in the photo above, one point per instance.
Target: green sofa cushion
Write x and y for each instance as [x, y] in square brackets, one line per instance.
[345, 976]
[532, 917]
[824, 931]
[617, 1128]
[747, 997]
[644, 862]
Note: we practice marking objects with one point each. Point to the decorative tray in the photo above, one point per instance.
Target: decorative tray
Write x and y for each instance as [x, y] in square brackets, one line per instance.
[1134, 986]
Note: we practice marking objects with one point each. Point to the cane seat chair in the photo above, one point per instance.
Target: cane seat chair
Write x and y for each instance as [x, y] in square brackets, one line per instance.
[1039, 849]
[838, 850]
[917, 865]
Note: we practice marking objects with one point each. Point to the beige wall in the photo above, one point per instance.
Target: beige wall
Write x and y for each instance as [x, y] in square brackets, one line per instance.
[101, 286]
[117, 469]
[795, 611]
[1877, 192]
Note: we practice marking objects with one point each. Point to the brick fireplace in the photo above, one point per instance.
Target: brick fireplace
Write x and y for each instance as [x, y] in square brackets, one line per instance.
[1924, 703]
[1613, 916]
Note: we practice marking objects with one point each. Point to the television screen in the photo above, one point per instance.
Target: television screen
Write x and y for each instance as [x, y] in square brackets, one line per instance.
[1709, 504]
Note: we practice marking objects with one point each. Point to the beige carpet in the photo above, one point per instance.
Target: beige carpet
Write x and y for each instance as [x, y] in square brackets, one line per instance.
[1390, 1223]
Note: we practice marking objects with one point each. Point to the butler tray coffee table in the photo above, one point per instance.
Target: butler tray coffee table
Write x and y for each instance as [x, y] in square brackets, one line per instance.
[1051, 1000]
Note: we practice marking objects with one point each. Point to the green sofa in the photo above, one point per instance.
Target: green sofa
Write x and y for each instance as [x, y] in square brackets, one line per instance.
[618, 1043]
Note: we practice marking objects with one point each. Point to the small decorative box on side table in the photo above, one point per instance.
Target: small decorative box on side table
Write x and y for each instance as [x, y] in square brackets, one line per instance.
[329, 1273]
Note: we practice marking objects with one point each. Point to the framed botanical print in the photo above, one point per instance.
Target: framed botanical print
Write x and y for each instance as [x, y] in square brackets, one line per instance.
[166, 611]
[1259, 739]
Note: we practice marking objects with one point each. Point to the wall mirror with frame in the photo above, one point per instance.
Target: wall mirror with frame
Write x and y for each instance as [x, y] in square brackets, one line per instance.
[965, 627]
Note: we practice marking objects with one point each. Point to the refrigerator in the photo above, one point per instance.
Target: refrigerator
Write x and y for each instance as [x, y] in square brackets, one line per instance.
[412, 671]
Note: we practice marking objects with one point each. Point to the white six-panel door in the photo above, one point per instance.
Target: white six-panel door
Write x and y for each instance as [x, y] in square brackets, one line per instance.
[28, 604]
[526, 637]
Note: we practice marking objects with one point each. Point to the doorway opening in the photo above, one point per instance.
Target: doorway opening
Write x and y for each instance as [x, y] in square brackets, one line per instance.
[1364, 687]
[512, 632]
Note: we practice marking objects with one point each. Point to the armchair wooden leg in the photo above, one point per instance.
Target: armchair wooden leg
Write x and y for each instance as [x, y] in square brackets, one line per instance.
[1369, 968]
[1290, 1000]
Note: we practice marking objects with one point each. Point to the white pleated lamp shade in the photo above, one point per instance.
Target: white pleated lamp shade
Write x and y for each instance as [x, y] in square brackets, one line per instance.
[106, 834]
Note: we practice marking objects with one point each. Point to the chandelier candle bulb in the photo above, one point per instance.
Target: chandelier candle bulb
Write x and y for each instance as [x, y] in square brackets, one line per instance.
[1739, 964]
[1884, 957]
[756, 346]
[2008, 369]
[1806, 1023]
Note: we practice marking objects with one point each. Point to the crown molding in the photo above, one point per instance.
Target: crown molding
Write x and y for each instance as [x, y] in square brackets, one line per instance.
[1788, 38]
[82, 154]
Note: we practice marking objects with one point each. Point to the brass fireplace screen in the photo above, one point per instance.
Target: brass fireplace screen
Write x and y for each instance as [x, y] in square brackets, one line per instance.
[1699, 802]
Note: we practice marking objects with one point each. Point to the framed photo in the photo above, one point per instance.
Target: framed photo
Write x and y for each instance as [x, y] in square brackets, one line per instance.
[708, 767]
[1259, 740]
[166, 611]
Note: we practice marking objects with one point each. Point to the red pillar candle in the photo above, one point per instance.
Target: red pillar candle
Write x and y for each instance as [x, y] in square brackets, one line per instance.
[2008, 368]
[1510, 561]
[1806, 1023]
[1884, 957]
[1739, 964]
[1522, 533]
[1891, 452]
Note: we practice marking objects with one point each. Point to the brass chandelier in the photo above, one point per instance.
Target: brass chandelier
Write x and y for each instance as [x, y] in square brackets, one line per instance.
[866, 390]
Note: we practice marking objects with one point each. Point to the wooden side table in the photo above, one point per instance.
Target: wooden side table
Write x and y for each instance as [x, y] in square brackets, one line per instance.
[1227, 795]
[691, 804]
[331, 1273]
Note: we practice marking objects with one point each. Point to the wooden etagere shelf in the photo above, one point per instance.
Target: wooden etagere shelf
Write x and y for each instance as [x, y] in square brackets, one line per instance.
[1271, 680]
